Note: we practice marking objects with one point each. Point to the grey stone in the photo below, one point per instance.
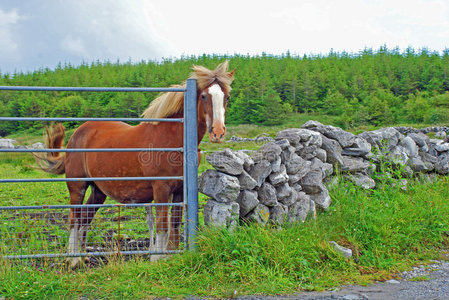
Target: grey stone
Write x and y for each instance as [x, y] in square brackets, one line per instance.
[222, 187]
[248, 162]
[442, 165]
[442, 147]
[420, 139]
[221, 214]
[280, 177]
[346, 252]
[297, 187]
[276, 165]
[286, 195]
[247, 201]
[287, 153]
[298, 211]
[333, 151]
[429, 160]
[344, 138]
[283, 143]
[312, 182]
[321, 154]
[323, 199]
[7, 143]
[297, 165]
[226, 161]
[383, 139]
[362, 180]
[308, 152]
[354, 164]
[360, 147]
[294, 178]
[246, 181]
[278, 214]
[327, 169]
[410, 146]
[269, 151]
[267, 194]
[417, 164]
[260, 214]
[38, 145]
[296, 135]
[260, 171]
[398, 155]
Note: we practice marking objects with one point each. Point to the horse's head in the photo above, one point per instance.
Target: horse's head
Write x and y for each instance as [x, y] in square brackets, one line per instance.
[213, 99]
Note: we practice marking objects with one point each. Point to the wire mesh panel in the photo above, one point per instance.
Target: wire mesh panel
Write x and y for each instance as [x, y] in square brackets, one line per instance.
[45, 231]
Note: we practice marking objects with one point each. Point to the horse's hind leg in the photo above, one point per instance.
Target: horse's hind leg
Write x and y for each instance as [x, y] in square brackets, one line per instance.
[96, 197]
[77, 191]
[150, 223]
[161, 192]
[176, 218]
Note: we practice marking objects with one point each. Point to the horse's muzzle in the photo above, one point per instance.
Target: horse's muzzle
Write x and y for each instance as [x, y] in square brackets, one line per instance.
[217, 133]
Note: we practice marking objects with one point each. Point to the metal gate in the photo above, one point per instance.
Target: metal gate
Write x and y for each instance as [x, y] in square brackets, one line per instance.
[42, 231]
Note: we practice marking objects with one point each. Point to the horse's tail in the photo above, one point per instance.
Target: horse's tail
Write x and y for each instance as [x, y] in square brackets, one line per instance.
[52, 162]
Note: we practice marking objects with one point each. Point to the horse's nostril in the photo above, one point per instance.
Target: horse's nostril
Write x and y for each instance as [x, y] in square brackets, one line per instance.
[221, 136]
[215, 135]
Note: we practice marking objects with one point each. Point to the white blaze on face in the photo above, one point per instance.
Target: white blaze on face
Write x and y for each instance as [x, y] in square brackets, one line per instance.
[217, 102]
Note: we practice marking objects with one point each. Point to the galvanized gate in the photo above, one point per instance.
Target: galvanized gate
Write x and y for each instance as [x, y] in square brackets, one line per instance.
[38, 231]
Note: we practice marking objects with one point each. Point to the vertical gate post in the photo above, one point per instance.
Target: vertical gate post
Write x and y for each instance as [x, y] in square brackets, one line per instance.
[191, 161]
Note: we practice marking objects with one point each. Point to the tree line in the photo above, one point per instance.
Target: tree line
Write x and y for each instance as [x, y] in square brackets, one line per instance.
[373, 87]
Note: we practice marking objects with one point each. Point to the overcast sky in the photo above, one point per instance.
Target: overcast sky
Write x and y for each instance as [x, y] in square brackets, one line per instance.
[41, 33]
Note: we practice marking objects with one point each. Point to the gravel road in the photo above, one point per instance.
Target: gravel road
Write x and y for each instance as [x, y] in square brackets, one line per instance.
[423, 282]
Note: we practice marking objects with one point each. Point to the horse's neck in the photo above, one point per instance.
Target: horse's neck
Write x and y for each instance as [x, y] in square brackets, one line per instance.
[201, 123]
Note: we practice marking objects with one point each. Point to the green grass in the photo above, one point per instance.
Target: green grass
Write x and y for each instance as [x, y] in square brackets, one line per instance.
[388, 230]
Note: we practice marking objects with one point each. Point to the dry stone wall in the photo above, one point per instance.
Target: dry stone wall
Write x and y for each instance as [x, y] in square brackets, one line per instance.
[284, 180]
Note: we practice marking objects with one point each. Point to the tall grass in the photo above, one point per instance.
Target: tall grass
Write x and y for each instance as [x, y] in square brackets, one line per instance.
[388, 231]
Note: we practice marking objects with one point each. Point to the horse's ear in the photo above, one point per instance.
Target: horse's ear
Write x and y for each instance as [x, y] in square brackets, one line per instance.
[231, 74]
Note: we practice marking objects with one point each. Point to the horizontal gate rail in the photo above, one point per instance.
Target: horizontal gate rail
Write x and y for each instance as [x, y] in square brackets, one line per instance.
[84, 254]
[91, 179]
[88, 89]
[86, 206]
[97, 150]
[178, 120]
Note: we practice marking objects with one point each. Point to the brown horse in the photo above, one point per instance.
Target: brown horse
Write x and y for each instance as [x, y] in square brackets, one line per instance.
[213, 88]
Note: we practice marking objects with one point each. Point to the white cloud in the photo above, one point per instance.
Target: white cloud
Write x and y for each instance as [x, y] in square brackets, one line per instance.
[8, 46]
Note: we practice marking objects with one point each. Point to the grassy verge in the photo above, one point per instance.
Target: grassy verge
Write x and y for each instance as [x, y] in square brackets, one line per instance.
[388, 231]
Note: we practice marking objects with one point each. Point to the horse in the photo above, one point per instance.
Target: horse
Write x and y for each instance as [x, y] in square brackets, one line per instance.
[213, 90]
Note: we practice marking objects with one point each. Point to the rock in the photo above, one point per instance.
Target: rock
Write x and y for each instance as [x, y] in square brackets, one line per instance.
[354, 164]
[312, 182]
[410, 146]
[248, 162]
[420, 139]
[323, 200]
[286, 195]
[267, 195]
[297, 187]
[221, 214]
[429, 160]
[417, 164]
[276, 165]
[7, 143]
[226, 161]
[297, 165]
[321, 154]
[298, 211]
[269, 151]
[398, 156]
[308, 152]
[283, 143]
[221, 187]
[260, 214]
[247, 201]
[333, 151]
[294, 178]
[279, 178]
[327, 169]
[442, 147]
[346, 252]
[344, 138]
[246, 181]
[360, 147]
[442, 165]
[260, 171]
[38, 145]
[297, 135]
[278, 214]
[383, 139]
[362, 180]
[440, 134]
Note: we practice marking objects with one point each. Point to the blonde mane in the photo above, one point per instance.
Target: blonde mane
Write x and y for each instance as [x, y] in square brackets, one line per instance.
[170, 103]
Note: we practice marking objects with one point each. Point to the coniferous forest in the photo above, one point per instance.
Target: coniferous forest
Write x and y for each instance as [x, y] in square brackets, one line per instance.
[374, 87]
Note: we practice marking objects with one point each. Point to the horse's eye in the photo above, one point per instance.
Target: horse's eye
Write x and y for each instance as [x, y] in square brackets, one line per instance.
[227, 98]
[203, 97]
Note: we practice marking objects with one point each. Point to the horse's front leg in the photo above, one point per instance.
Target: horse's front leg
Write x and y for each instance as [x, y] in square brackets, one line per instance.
[176, 218]
[161, 195]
